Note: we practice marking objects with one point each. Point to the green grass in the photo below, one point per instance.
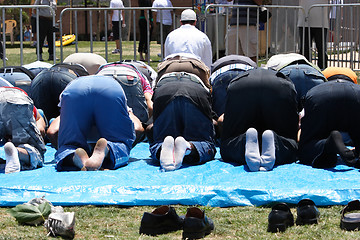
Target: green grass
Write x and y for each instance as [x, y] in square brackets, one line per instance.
[111, 222]
[29, 53]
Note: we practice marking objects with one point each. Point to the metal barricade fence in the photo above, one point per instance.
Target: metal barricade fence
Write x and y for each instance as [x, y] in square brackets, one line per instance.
[132, 11]
[279, 35]
[21, 7]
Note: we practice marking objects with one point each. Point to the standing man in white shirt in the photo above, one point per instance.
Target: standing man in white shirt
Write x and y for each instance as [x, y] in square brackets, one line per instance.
[164, 18]
[115, 22]
[318, 22]
[188, 39]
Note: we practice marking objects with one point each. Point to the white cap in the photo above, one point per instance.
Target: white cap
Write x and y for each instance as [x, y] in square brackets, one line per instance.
[188, 15]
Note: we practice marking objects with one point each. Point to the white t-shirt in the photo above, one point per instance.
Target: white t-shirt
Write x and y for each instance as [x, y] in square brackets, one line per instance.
[319, 16]
[115, 15]
[188, 39]
[166, 14]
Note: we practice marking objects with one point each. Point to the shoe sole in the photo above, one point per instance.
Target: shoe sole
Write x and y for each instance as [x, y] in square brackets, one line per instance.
[274, 228]
[195, 235]
[156, 231]
[306, 221]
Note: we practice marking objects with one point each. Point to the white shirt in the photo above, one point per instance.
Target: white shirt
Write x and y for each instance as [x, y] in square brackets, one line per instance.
[115, 15]
[166, 14]
[188, 39]
[319, 16]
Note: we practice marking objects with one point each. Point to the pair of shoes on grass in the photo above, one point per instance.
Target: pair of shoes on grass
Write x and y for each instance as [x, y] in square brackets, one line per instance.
[195, 224]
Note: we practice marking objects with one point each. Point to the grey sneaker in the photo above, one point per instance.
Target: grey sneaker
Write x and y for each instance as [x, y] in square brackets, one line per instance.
[61, 224]
[115, 51]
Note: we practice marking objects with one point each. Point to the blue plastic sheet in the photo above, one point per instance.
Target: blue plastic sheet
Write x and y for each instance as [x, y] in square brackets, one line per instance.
[215, 183]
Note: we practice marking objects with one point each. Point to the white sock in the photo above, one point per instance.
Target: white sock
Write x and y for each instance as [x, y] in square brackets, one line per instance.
[12, 158]
[167, 156]
[182, 148]
[268, 150]
[252, 153]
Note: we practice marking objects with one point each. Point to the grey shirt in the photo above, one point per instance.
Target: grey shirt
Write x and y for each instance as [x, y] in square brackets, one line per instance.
[243, 13]
[45, 12]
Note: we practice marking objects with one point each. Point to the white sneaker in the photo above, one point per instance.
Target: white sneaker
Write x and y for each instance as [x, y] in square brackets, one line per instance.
[268, 150]
[167, 156]
[12, 158]
[116, 51]
[252, 154]
[182, 148]
[61, 224]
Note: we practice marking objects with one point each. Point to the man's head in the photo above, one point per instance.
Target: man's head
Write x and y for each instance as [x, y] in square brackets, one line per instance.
[335, 73]
[188, 16]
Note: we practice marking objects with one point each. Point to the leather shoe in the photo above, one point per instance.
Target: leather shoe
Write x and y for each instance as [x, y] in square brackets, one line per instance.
[307, 212]
[280, 218]
[162, 220]
[196, 224]
[350, 221]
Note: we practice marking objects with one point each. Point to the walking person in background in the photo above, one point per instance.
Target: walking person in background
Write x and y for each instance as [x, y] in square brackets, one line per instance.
[318, 22]
[45, 26]
[247, 35]
[115, 21]
[164, 18]
[143, 42]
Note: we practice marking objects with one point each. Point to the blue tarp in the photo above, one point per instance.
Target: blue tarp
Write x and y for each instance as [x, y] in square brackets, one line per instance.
[215, 183]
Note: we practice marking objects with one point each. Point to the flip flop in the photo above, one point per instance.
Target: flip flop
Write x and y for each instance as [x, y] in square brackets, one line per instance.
[350, 221]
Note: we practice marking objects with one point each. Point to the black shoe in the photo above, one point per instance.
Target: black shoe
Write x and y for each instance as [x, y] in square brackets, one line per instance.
[162, 220]
[51, 58]
[280, 218]
[196, 224]
[351, 221]
[307, 212]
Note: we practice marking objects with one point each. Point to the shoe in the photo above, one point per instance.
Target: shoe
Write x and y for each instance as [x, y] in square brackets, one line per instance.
[307, 212]
[350, 221]
[162, 220]
[61, 224]
[115, 51]
[196, 224]
[51, 58]
[280, 218]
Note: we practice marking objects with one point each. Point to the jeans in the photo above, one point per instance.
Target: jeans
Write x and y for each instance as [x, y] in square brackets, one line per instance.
[304, 78]
[94, 101]
[47, 87]
[182, 118]
[219, 89]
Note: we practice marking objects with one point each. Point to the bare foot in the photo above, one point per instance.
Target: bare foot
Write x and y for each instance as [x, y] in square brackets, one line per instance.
[80, 158]
[97, 158]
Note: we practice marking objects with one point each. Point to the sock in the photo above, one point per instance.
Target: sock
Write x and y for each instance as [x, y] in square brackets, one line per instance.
[12, 158]
[268, 150]
[167, 156]
[182, 148]
[252, 154]
[336, 142]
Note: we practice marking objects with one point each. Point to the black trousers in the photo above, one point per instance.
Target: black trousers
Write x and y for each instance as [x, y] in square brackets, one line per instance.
[329, 106]
[46, 30]
[264, 100]
[316, 34]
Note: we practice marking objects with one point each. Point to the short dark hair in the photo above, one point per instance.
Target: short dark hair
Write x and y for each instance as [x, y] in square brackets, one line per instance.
[188, 22]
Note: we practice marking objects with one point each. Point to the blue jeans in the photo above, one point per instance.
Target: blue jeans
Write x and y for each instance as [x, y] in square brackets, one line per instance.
[46, 88]
[94, 101]
[304, 78]
[219, 89]
[182, 118]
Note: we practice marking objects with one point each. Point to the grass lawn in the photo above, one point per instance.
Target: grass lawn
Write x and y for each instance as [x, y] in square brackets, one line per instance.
[115, 222]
